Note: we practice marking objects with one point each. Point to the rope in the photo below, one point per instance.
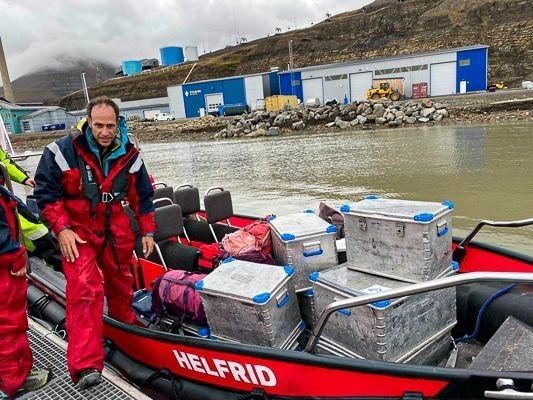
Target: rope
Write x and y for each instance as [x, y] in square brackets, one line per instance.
[482, 310]
[165, 373]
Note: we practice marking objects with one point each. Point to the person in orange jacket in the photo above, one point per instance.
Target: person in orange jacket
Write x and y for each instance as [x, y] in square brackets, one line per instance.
[15, 353]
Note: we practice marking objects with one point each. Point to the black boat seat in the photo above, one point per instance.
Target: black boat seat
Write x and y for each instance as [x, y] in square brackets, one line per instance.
[163, 196]
[174, 254]
[188, 197]
[171, 253]
[218, 207]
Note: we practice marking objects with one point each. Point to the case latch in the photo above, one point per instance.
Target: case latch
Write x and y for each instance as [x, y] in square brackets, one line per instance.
[362, 224]
[400, 229]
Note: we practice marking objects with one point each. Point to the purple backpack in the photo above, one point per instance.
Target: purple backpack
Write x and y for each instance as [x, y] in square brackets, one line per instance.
[174, 294]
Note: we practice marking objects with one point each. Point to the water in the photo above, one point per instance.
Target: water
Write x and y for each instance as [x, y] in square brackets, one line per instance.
[486, 171]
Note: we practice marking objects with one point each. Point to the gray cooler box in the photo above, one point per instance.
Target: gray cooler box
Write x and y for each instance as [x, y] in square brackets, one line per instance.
[305, 242]
[251, 303]
[409, 240]
[389, 330]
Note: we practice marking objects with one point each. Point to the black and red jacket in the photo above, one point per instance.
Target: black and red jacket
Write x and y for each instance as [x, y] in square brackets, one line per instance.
[61, 196]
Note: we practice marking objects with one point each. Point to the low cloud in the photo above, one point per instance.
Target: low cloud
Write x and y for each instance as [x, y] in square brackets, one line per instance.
[38, 34]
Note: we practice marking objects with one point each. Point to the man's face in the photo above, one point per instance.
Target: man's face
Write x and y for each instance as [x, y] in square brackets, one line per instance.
[103, 123]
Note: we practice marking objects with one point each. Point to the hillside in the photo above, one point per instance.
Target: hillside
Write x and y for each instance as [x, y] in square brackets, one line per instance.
[383, 28]
[49, 83]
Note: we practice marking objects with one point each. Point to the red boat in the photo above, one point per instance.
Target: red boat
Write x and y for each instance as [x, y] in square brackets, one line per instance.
[184, 366]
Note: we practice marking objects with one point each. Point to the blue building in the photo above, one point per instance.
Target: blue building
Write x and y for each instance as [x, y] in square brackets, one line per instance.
[204, 97]
[442, 72]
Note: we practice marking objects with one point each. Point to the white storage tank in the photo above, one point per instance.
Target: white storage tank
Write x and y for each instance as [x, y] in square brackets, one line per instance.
[191, 53]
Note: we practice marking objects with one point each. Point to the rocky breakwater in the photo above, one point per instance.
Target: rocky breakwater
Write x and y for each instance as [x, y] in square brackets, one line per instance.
[361, 114]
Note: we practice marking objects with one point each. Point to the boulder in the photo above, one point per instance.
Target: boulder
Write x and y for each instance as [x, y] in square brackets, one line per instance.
[298, 126]
[427, 103]
[273, 131]
[426, 112]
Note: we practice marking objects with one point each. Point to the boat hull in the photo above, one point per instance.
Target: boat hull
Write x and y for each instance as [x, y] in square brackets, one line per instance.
[216, 367]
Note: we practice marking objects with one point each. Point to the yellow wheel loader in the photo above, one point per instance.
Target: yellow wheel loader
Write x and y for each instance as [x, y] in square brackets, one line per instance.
[384, 90]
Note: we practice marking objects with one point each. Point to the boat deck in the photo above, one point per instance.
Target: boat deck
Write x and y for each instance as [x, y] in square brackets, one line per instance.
[50, 351]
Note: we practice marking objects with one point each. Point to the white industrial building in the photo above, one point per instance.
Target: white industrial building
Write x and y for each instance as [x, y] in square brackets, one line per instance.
[144, 109]
[442, 72]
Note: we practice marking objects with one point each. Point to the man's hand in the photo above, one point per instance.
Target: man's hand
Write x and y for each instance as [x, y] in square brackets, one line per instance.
[67, 244]
[20, 272]
[30, 182]
[148, 245]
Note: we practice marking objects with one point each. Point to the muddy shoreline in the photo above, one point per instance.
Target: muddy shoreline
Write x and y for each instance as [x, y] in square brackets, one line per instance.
[480, 108]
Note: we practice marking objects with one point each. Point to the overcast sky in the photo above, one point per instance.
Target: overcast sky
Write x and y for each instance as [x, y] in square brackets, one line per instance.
[38, 32]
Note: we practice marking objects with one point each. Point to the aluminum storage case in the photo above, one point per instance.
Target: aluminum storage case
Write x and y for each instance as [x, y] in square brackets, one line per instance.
[388, 330]
[306, 301]
[305, 242]
[251, 303]
[429, 352]
[291, 343]
[409, 240]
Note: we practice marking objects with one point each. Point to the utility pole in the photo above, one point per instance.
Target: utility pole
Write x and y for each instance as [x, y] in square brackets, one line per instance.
[84, 83]
[291, 66]
[8, 91]
[235, 23]
[97, 77]
[291, 63]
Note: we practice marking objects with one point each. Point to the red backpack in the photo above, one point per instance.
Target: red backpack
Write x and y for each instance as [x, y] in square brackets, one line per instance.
[261, 230]
[252, 238]
[174, 293]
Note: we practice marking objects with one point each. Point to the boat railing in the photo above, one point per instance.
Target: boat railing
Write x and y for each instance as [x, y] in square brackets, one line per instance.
[459, 252]
[412, 289]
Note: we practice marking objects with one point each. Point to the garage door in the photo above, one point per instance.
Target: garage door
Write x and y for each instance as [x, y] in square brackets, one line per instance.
[212, 101]
[359, 84]
[313, 89]
[254, 88]
[443, 78]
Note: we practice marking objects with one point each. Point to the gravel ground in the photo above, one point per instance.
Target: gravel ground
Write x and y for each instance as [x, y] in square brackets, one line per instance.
[501, 106]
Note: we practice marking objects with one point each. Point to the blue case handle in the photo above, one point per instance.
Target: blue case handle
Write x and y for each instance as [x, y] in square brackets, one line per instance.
[442, 229]
[311, 249]
[313, 253]
[283, 298]
[284, 301]
[442, 233]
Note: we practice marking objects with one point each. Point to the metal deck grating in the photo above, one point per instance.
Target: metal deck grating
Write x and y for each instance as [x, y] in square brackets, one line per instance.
[47, 352]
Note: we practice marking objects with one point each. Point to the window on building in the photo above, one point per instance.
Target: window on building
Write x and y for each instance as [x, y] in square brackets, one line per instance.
[336, 77]
[400, 70]
[464, 63]
[26, 126]
[8, 127]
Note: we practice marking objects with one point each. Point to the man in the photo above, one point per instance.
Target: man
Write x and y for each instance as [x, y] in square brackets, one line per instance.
[15, 353]
[94, 231]
[37, 239]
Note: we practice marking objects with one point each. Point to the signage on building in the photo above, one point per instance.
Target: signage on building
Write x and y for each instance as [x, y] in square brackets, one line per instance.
[193, 92]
